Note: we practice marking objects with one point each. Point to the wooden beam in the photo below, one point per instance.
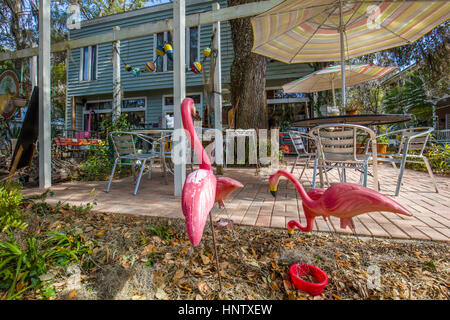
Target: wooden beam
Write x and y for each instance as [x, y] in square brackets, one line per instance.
[225, 14]
[217, 93]
[117, 84]
[179, 91]
[45, 160]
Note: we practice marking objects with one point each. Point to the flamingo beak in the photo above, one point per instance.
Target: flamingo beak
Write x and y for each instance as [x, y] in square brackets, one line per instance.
[194, 111]
[273, 189]
[290, 232]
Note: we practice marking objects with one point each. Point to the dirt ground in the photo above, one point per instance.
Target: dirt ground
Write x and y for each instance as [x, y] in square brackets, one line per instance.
[136, 257]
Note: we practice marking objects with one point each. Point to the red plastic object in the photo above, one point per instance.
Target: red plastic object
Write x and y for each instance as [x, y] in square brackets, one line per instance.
[314, 289]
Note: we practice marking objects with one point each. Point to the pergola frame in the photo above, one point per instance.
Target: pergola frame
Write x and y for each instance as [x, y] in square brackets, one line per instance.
[177, 25]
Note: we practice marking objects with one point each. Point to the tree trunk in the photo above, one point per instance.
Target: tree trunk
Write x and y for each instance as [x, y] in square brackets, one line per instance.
[247, 75]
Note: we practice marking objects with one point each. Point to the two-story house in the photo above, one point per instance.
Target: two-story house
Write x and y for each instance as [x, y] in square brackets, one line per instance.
[148, 98]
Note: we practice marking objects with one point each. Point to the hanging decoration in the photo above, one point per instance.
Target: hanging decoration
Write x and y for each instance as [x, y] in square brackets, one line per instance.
[207, 52]
[150, 66]
[136, 72]
[196, 67]
[167, 49]
[160, 51]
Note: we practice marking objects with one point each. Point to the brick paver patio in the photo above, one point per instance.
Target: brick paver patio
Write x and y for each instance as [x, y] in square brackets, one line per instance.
[254, 205]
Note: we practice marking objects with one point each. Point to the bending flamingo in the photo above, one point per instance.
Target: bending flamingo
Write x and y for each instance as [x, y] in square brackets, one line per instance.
[201, 188]
[342, 200]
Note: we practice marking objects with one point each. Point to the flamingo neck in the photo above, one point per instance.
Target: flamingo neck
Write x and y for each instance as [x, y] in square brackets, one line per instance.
[305, 197]
[195, 143]
[309, 224]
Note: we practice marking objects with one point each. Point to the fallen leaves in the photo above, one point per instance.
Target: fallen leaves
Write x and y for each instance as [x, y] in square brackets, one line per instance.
[408, 270]
[179, 274]
[203, 288]
[205, 259]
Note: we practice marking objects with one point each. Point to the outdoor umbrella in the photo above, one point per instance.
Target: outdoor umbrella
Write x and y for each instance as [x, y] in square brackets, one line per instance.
[297, 31]
[330, 78]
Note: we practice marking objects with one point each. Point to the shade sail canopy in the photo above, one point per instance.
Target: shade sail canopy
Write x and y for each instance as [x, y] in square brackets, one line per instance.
[363, 119]
[330, 78]
[298, 31]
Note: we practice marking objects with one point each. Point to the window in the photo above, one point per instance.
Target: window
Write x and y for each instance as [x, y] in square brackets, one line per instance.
[133, 108]
[164, 64]
[133, 104]
[88, 67]
[168, 106]
[192, 45]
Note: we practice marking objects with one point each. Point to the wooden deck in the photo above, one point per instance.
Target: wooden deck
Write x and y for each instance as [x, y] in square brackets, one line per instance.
[254, 205]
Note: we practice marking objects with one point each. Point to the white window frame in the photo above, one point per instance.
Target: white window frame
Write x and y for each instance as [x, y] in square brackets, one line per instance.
[89, 63]
[169, 108]
[155, 55]
[187, 47]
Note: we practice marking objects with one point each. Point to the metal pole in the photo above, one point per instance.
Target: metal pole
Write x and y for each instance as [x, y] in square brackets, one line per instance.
[341, 34]
[334, 96]
[45, 161]
[179, 87]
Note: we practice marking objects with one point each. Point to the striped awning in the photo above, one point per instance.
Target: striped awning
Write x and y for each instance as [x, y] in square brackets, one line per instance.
[330, 78]
[298, 31]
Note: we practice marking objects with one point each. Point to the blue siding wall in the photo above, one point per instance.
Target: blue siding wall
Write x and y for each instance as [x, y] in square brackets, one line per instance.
[137, 52]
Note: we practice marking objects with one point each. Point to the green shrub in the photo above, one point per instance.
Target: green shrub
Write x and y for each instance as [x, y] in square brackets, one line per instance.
[100, 161]
[439, 157]
[20, 268]
[10, 213]
[98, 164]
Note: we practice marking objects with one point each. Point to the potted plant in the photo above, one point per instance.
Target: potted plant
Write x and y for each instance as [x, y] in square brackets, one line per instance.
[353, 107]
[382, 145]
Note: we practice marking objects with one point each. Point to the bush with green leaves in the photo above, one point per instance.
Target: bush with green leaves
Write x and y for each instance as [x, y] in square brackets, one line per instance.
[439, 157]
[100, 159]
[22, 265]
[11, 215]
[20, 268]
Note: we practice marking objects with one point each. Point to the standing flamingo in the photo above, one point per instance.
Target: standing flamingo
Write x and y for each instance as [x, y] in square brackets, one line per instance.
[201, 188]
[342, 200]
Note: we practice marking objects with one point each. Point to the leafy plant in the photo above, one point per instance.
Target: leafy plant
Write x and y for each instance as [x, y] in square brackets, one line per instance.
[354, 104]
[161, 231]
[100, 160]
[20, 268]
[10, 213]
[382, 139]
[64, 249]
[439, 157]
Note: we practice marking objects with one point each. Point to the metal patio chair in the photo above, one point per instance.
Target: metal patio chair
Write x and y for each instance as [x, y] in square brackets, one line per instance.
[126, 154]
[337, 148]
[412, 139]
[298, 140]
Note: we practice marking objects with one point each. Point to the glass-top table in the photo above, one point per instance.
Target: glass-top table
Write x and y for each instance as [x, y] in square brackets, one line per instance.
[360, 119]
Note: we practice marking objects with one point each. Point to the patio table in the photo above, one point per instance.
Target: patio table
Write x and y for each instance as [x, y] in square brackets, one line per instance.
[361, 119]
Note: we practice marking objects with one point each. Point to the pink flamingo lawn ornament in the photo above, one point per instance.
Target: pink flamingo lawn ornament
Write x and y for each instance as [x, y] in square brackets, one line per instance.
[342, 200]
[201, 189]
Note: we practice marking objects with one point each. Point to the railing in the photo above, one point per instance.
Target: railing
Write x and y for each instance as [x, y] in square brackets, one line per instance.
[441, 136]
[75, 133]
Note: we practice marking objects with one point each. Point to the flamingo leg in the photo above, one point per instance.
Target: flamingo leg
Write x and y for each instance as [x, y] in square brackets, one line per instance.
[234, 233]
[215, 251]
